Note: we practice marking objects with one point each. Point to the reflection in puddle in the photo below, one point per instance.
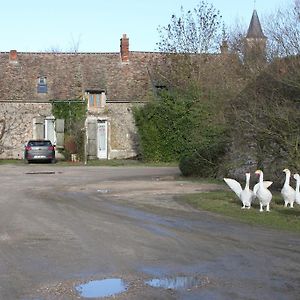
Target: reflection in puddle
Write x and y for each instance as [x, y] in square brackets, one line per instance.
[101, 288]
[178, 283]
[105, 191]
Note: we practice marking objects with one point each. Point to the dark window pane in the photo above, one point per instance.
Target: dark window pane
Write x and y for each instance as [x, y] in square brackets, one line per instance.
[42, 88]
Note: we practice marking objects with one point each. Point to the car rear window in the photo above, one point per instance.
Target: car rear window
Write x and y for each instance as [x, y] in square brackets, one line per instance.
[39, 143]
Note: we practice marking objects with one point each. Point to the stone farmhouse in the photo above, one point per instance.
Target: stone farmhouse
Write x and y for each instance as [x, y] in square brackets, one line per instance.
[110, 83]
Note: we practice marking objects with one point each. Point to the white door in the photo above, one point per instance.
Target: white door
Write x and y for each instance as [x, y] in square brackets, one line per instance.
[50, 130]
[102, 139]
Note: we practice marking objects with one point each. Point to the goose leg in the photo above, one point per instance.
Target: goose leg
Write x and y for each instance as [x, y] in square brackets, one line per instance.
[261, 207]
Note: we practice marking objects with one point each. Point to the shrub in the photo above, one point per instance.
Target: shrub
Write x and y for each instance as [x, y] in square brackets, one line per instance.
[74, 114]
[182, 128]
[70, 144]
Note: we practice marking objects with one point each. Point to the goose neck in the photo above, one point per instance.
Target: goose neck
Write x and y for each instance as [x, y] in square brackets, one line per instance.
[261, 178]
[287, 178]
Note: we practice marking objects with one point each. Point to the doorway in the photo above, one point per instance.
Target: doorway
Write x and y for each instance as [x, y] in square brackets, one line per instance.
[102, 139]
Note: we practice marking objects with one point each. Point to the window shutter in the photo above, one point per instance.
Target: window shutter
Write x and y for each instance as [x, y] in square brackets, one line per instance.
[92, 138]
[103, 100]
[60, 129]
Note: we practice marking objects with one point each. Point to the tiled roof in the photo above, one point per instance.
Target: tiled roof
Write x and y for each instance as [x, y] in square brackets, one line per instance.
[70, 74]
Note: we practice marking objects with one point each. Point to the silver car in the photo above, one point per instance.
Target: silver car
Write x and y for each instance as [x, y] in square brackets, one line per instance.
[39, 150]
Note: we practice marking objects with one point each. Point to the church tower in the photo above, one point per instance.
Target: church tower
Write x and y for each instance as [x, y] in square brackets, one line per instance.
[255, 43]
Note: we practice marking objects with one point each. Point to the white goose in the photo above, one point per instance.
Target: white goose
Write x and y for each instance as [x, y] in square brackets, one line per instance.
[287, 192]
[246, 195]
[297, 192]
[261, 191]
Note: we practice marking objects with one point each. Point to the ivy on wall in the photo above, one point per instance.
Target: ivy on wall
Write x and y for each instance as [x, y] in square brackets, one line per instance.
[74, 114]
[69, 110]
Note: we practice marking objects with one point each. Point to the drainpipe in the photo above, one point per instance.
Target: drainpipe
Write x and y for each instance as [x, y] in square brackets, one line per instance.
[85, 141]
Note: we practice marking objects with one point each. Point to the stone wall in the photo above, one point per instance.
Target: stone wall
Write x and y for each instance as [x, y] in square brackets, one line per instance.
[17, 126]
[122, 132]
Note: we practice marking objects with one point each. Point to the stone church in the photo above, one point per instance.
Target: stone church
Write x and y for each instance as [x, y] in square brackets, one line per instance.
[110, 84]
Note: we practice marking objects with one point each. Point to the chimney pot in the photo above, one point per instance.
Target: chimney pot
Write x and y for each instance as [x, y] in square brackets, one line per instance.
[13, 55]
[124, 48]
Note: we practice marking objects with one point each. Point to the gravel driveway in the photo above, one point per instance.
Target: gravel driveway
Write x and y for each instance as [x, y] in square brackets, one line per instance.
[65, 226]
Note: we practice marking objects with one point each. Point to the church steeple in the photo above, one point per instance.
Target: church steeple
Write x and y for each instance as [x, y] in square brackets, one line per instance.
[254, 30]
[256, 41]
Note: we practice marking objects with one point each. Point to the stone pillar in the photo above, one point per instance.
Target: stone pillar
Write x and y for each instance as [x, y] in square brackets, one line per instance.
[38, 128]
[60, 130]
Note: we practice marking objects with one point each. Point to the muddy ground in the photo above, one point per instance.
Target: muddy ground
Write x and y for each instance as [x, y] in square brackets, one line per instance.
[64, 226]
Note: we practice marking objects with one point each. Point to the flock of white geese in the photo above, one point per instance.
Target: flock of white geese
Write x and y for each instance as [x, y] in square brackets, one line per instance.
[261, 192]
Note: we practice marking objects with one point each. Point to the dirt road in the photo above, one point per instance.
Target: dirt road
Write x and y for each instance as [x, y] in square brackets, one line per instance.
[64, 226]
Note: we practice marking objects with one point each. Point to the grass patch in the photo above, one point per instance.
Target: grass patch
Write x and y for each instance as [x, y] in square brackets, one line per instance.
[226, 203]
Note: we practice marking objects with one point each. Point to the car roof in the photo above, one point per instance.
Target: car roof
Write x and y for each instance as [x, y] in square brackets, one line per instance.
[39, 140]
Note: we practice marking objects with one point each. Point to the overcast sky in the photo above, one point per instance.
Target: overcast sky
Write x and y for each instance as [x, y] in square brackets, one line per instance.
[97, 25]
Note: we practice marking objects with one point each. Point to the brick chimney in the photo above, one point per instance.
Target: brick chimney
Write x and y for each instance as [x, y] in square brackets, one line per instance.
[13, 56]
[124, 48]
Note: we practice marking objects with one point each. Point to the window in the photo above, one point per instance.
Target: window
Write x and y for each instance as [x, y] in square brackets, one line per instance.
[96, 99]
[38, 143]
[42, 85]
[161, 87]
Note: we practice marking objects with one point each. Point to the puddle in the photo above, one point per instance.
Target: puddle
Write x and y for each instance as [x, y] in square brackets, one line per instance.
[103, 191]
[101, 288]
[178, 283]
[40, 172]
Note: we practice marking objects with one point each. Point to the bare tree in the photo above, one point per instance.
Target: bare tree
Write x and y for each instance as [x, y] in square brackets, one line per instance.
[236, 38]
[195, 31]
[74, 46]
[54, 49]
[265, 118]
[283, 30]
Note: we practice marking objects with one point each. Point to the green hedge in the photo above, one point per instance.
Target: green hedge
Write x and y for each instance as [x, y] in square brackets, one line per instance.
[183, 129]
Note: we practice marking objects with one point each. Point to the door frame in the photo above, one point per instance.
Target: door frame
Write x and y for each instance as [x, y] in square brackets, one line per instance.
[50, 119]
[102, 154]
